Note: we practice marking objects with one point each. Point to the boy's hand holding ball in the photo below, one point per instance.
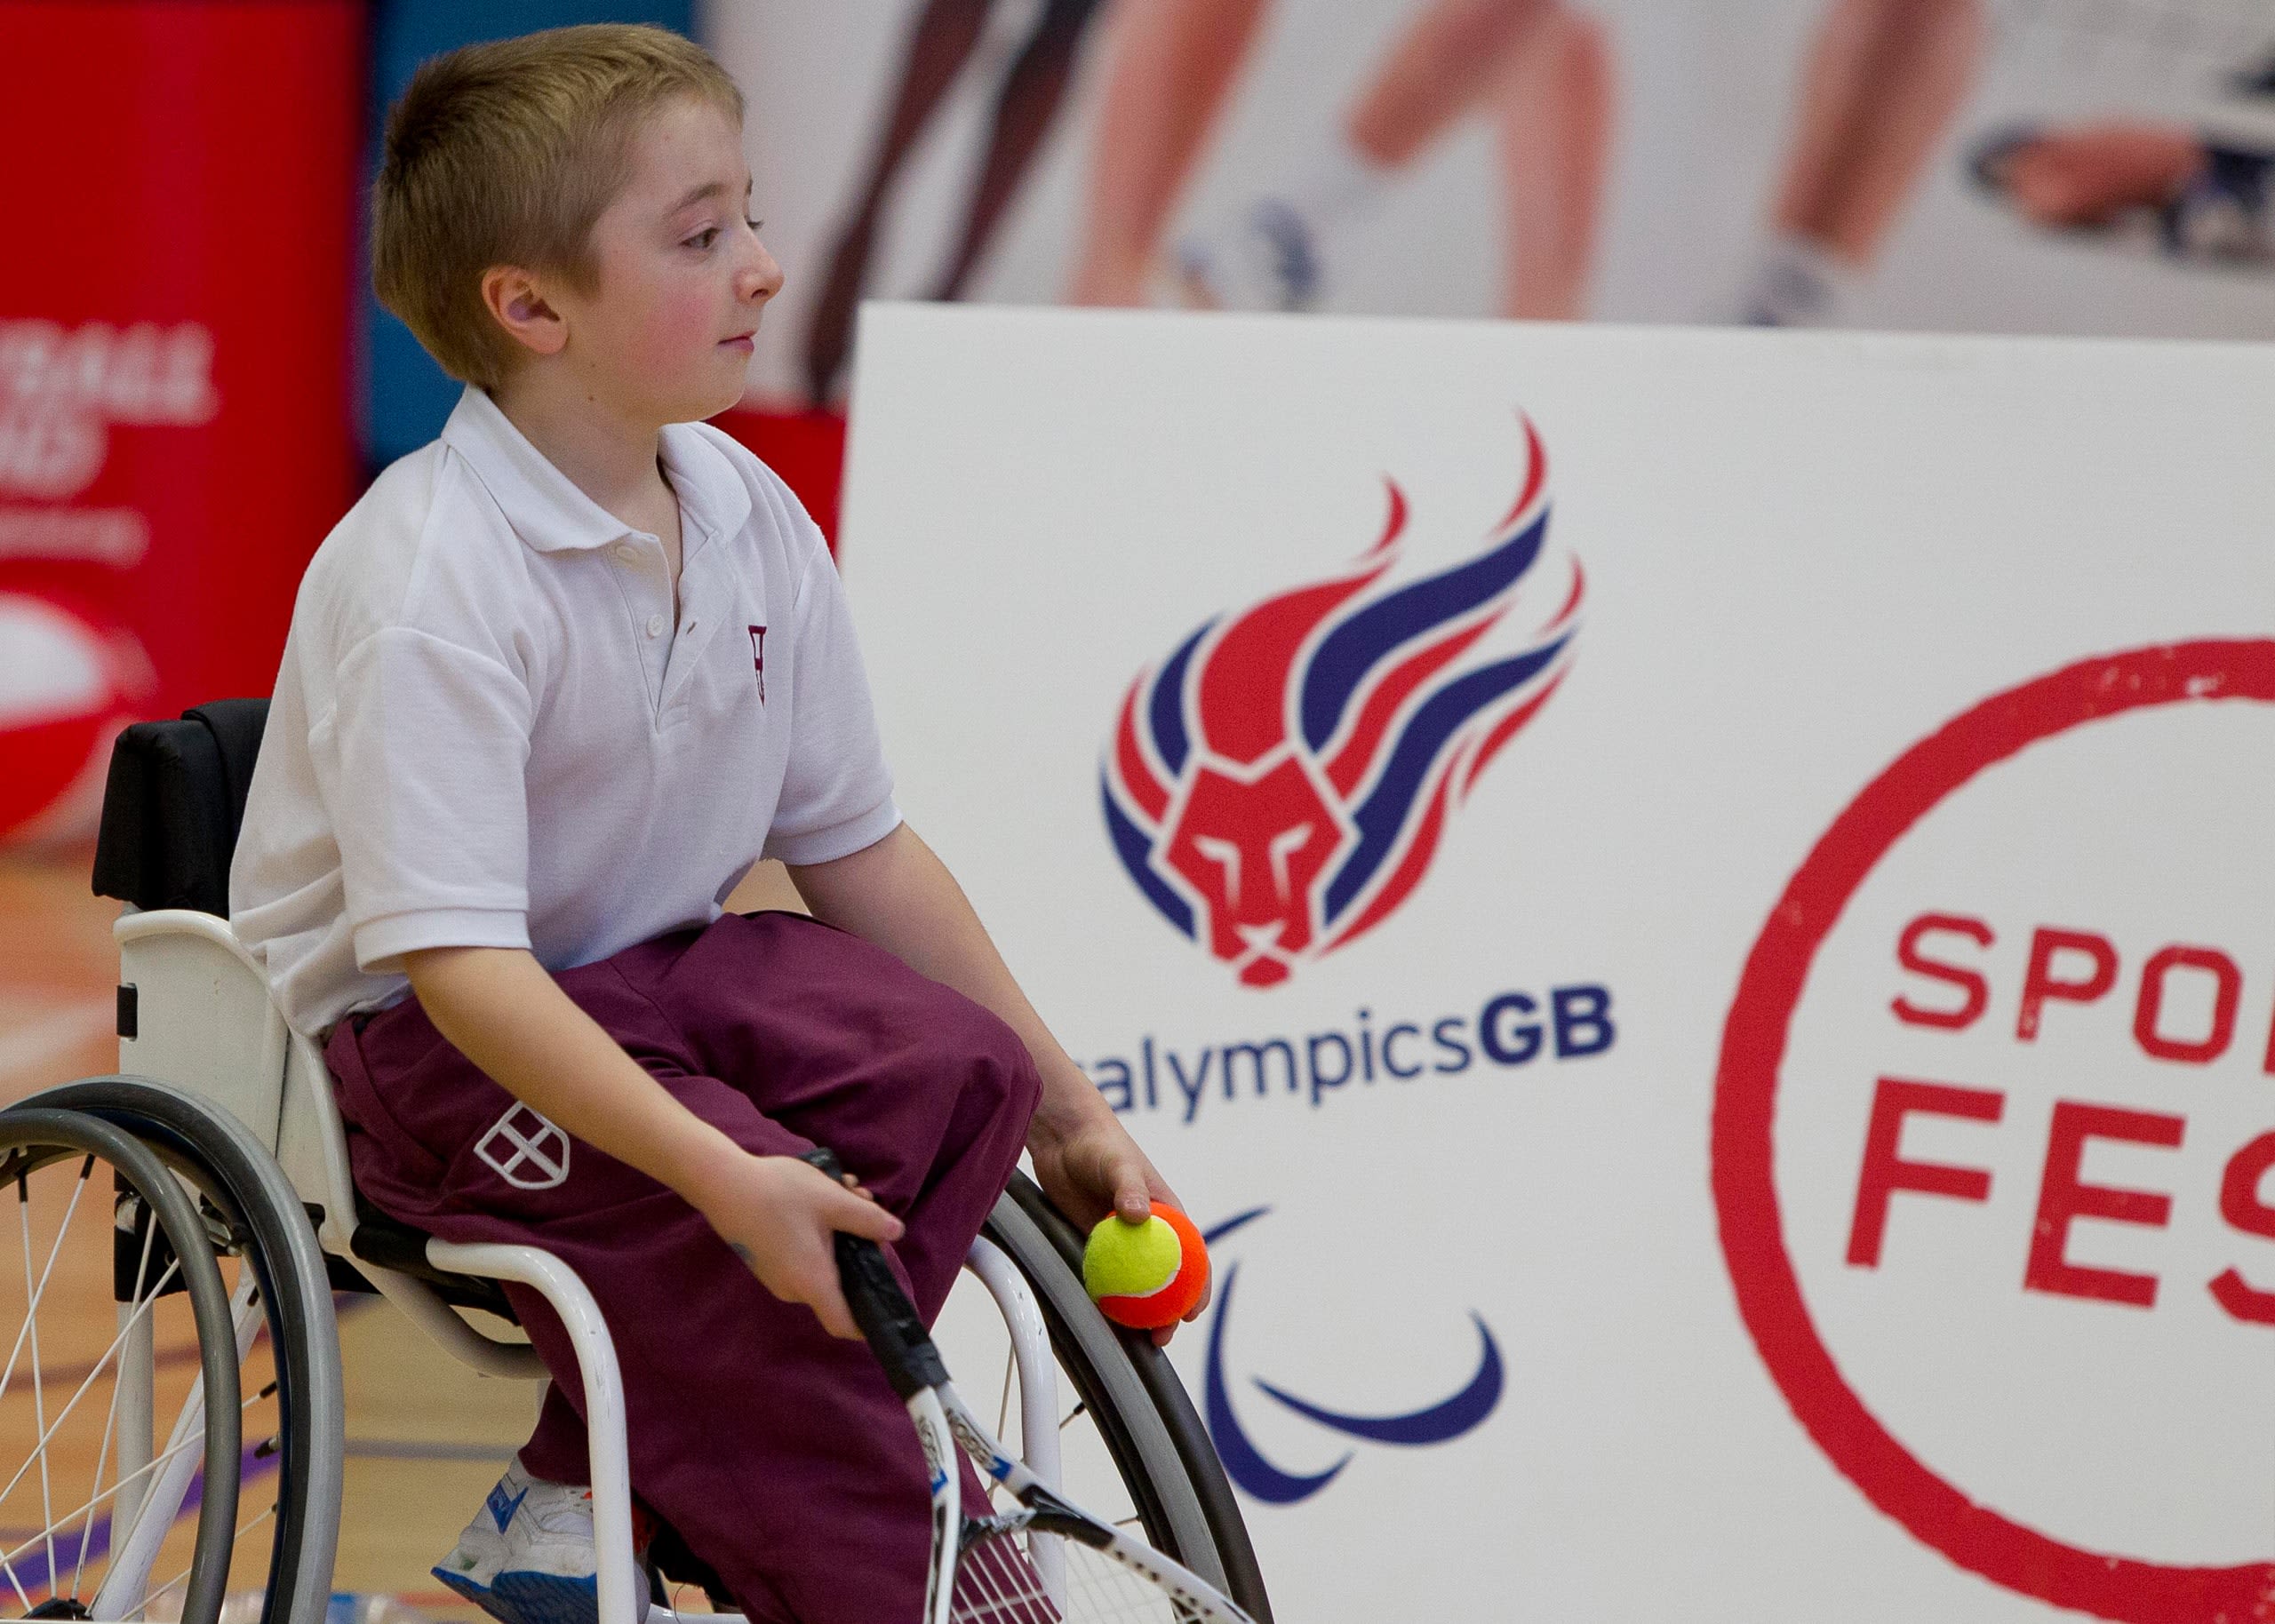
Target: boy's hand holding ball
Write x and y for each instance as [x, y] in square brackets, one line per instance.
[1148, 1275]
[1089, 1166]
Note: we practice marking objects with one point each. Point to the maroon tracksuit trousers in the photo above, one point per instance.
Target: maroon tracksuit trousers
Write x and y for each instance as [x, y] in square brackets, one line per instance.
[777, 1451]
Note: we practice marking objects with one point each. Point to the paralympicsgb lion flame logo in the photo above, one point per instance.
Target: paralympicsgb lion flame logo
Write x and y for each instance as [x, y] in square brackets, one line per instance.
[1277, 786]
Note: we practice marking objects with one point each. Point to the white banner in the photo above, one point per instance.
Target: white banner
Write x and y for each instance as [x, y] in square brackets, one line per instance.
[1693, 908]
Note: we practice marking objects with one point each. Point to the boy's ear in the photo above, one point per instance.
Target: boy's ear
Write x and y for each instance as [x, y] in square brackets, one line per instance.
[516, 303]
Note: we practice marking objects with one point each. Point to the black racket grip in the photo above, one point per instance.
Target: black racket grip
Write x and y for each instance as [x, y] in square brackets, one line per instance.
[883, 1310]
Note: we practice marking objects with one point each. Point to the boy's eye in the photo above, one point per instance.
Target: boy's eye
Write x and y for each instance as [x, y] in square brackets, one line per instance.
[703, 240]
[756, 225]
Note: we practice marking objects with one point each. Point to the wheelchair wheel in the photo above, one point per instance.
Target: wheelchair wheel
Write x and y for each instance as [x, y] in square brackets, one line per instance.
[172, 1525]
[1132, 1446]
[58, 1512]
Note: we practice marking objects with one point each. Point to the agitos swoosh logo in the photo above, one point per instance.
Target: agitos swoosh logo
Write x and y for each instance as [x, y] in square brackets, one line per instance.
[1245, 1464]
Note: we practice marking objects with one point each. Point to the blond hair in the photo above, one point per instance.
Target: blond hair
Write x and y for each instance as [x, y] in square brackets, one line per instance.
[506, 154]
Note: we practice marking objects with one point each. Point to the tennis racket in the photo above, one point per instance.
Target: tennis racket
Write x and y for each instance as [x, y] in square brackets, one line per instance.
[1088, 1571]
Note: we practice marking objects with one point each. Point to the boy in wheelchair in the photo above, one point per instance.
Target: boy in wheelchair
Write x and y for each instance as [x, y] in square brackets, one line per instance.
[553, 686]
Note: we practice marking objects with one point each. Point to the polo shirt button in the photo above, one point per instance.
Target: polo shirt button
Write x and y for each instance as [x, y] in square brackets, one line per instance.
[655, 626]
[624, 552]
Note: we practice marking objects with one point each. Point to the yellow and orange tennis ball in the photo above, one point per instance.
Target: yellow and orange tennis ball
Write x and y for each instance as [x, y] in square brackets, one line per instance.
[1146, 1275]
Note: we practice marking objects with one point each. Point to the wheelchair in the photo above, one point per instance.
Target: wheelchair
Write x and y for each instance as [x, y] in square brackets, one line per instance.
[173, 1428]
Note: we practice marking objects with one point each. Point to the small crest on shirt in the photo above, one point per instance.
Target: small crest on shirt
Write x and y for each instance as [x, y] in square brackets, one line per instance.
[525, 1149]
[758, 658]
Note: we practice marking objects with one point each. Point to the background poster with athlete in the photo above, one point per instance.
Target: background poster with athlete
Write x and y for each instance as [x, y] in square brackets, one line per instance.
[2075, 166]
[1689, 909]
[2080, 166]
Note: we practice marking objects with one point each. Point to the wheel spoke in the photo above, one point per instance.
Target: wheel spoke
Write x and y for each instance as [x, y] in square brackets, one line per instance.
[195, 1440]
[23, 1205]
[157, 1462]
[65, 1413]
[182, 1577]
[258, 1521]
[8, 1567]
[39, 1390]
[110, 1421]
[175, 1583]
[34, 1294]
[87, 1528]
[243, 1301]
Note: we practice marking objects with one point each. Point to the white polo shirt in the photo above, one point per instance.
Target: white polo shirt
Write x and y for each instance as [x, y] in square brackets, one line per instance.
[489, 731]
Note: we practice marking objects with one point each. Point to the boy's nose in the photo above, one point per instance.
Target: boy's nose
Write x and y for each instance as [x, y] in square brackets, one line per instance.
[763, 279]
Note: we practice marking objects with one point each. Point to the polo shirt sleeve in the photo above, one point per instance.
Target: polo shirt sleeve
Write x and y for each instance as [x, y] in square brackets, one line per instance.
[421, 763]
[836, 793]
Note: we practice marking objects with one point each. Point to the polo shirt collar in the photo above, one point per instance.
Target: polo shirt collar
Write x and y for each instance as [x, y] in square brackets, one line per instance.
[551, 515]
[713, 498]
[541, 503]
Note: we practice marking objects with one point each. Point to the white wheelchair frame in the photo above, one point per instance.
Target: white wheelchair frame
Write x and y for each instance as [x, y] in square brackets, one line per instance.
[202, 1006]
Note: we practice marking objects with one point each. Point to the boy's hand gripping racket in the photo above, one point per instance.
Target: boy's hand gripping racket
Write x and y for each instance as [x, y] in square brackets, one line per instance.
[1108, 1575]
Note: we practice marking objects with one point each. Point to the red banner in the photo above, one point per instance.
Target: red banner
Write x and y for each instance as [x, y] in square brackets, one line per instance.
[177, 183]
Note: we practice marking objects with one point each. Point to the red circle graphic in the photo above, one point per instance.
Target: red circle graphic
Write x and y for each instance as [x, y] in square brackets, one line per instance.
[1745, 1198]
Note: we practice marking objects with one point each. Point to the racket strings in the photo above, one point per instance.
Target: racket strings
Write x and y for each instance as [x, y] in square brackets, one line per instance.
[997, 1584]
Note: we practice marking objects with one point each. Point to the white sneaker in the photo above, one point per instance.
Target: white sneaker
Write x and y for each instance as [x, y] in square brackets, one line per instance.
[527, 1558]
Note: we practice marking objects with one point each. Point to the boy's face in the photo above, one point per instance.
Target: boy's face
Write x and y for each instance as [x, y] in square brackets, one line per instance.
[665, 336]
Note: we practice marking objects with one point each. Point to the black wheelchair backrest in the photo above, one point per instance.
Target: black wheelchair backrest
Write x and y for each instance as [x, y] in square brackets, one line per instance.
[173, 804]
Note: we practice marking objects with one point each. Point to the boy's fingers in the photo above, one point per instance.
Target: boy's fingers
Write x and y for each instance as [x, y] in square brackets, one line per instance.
[837, 1318]
[821, 1292]
[817, 1288]
[856, 1215]
[1133, 1203]
[850, 1207]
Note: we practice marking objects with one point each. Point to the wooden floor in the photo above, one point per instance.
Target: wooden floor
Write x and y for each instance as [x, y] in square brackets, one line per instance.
[426, 1436]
